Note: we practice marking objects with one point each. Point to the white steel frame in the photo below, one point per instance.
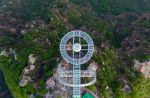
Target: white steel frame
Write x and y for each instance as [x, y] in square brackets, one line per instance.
[76, 73]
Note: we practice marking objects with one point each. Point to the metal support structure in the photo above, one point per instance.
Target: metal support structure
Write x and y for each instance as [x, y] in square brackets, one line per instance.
[76, 81]
[83, 73]
[76, 60]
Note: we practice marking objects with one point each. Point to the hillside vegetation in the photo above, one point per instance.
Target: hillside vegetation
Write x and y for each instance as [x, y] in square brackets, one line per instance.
[28, 26]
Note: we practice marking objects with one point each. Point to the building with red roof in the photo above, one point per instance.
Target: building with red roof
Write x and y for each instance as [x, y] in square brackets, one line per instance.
[144, 67]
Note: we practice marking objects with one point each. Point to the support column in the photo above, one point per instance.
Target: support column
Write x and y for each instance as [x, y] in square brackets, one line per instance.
[76, 81]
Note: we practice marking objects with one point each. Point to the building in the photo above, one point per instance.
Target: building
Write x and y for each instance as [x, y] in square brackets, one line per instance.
[27, 71]
[144, 67]
[32, 96]
[48, 95]
[50, 83]
[65, 65]
[32, 59]
[69, 46]
[93, 66]
[32, 67]
[126, 89]
[87, 95]
[23, 82]
[4, 53]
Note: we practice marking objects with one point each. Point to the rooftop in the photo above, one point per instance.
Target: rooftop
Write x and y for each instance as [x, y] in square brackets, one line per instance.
[126, 89]
[87, 95]
[50, 82]
[144, 67]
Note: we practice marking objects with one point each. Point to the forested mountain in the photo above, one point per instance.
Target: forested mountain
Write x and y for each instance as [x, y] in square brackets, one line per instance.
[120, 30]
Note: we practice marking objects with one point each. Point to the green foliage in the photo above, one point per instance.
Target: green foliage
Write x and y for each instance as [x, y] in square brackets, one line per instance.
[6, 40]
[118, 37]
[78, 1]
[145, 24]
[109, 35]
[106, 75]
[143, 57]
[31, 9]
[91, 87]
[38, 97]
[119, 6]
[74, 19]
[100, 26]
[35, 42]
[13, 82]
[56, 21]
[8, 65]
[57, 4]
[140, 87]
[42, 90]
